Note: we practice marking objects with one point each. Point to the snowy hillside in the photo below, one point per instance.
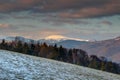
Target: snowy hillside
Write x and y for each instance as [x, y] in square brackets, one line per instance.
[16, 66]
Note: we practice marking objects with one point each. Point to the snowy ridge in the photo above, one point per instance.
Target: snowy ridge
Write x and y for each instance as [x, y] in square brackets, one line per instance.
[60, 37]
[16, 66]
[49, 40]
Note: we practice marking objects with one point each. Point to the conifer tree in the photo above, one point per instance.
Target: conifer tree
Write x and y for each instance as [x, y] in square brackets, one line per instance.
[103, 68]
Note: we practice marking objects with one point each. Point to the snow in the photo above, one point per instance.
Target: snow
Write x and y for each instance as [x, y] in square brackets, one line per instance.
[16, 66]
[60, 37]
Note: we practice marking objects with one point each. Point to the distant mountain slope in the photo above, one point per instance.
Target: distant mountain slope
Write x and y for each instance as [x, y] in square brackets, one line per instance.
[16, 66]
[109, 48]
[72, 43]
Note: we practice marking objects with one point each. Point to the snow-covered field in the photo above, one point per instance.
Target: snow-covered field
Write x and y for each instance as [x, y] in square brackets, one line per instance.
[16, 66]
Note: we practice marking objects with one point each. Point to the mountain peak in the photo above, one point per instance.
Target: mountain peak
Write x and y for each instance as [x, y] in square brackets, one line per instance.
[56, 37]
[60, 37]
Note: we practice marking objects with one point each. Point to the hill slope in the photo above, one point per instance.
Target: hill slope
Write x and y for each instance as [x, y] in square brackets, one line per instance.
[19, 66]
[109, 48]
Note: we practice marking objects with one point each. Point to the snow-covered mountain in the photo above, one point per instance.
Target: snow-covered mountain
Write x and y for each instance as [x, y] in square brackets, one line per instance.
[60, 37]
[108, 48]
[18, 38]
[50, 39]
[16, 66]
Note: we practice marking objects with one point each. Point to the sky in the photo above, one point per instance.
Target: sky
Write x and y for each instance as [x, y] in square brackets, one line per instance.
[36, 19]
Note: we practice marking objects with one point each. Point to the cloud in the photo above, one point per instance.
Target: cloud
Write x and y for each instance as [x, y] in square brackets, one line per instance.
[61, 21]
[4, 25]
[65, 8]
[7, 27]
[106, 22]
[17, 5]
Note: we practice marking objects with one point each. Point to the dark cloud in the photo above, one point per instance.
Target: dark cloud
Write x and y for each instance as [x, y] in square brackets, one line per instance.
[17, 5]
[66, 8]
[56, 5]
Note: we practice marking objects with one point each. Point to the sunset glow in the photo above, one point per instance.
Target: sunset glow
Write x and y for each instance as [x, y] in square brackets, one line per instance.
[98, 20]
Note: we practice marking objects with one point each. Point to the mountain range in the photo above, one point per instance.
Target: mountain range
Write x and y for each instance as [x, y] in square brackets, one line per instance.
[109, 48]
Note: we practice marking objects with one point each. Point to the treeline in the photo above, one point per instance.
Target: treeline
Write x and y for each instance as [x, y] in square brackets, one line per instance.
[74, 56]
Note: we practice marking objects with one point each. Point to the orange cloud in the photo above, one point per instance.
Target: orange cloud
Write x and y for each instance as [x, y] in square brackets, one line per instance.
[4, 25]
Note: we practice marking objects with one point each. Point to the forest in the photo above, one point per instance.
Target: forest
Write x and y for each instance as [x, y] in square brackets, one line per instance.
[74, 56]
